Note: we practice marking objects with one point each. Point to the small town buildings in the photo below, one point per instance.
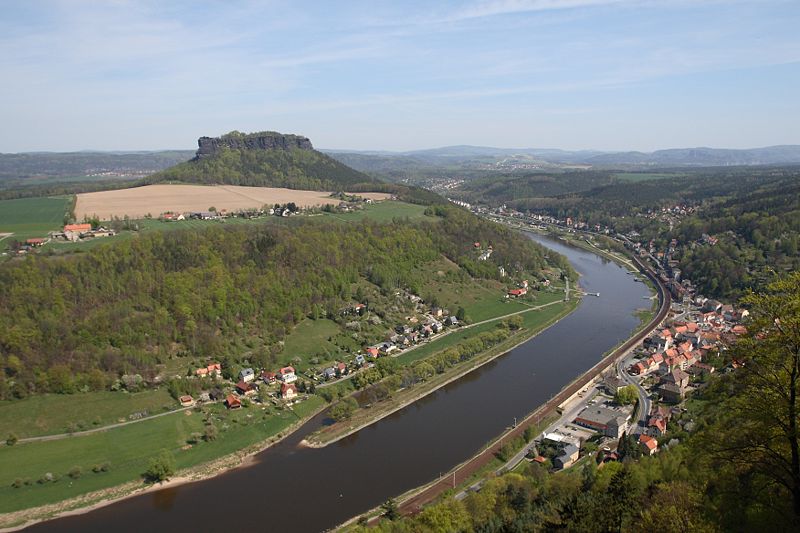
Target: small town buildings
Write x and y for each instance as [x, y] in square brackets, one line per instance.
[609, 422]
[247, 375]
[676, 377]
[245, 388]
[360, 360]
[288, 391]
[329, 373]
[35, 243]
[373, 351]
[517, 293]
[451, 321]
[232, 402]
[671, 393]
[648, 444]
[287, 375]
[268, 377]
[186, 401]
[569, 454]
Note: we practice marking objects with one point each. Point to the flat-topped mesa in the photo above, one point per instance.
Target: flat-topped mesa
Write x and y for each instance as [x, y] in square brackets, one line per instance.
[263, 140]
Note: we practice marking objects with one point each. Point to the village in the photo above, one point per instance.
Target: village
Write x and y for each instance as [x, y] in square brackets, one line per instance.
[637, 407]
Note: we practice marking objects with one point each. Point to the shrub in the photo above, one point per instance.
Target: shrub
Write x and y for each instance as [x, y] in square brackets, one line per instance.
[74, 472]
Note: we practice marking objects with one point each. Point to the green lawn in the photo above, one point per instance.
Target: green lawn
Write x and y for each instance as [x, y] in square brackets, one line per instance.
[129, 449]
[383, 212]
[32, 217]
[50, 414]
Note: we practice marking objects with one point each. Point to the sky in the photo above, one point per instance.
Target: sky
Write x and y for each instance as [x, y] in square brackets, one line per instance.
[404, 75]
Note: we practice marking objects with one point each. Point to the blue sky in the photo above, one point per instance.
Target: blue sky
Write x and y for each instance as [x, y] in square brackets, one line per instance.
[573, 74]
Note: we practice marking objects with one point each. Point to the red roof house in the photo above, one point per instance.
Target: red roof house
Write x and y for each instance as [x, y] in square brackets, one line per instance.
[232, 402]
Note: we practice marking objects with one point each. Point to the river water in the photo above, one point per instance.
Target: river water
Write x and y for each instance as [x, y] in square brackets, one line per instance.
[303, 489]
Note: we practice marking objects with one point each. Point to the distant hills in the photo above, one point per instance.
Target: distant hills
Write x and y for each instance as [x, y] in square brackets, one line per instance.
[676, 157]
[264, 159]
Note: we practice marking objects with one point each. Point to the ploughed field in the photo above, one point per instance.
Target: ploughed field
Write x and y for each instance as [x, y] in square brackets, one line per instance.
[153, 200]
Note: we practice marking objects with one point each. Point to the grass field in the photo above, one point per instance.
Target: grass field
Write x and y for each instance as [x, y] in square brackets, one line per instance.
[32, 217]
[383, 212]
[128, 450]
[51, 414]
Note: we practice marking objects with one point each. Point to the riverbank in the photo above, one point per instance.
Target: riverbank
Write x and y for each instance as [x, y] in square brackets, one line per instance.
[406, 397]
[84, 503]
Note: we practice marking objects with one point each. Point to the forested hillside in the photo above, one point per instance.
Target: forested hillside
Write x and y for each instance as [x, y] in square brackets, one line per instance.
[752, 213]
[72, 322]
[758, 232]
[263, 159]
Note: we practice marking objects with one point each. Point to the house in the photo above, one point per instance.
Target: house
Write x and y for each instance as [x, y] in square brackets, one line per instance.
[77, 228]
[35, 242]
[437, 311]
[676, 377]
[268, 377]
[606, 421]
[387, 347]
[342, 368]
[329, 373]
[638, 369]
[613, 384]
[232, 402]
[373, 351]
[73, 231]
[451, 321]
[287, 375]
[214, 369]
[288, 391]
[245, 388]
[567, 457]
[657, 425]
[247, 375]
[186, 401]
[360, 360]
[201, 372]
[436, 327]
[648, 444]
[517, 293]
[671, 392]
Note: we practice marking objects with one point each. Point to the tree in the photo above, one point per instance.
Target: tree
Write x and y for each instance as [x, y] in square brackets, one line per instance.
[626, 395]
[390, 510]
[210, 433]
[461, 314]
[161, 468]
[764, 440]
[12, 439]
[344, 409]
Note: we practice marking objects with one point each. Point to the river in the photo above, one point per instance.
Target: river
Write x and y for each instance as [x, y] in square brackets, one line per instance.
[301, 489]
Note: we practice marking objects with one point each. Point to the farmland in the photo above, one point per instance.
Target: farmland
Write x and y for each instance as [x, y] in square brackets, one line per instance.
[139, 202]
[32, 217]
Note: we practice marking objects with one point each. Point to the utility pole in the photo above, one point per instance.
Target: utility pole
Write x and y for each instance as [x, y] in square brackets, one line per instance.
[454, 480]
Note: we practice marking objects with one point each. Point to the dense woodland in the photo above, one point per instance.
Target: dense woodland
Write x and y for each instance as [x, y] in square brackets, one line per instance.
[754, 213]
[730, 464]
[68, 323]
[294, 169]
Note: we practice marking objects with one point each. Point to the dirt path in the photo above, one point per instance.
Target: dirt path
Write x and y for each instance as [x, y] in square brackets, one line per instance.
[60, 436]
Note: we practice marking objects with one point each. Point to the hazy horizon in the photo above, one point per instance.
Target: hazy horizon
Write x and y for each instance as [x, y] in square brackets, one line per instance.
[607, 75]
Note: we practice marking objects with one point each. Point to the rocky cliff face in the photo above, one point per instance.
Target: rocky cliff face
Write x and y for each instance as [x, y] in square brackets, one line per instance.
[267, 140]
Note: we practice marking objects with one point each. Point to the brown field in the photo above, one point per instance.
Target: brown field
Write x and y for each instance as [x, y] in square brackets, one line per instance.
[156, 199]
